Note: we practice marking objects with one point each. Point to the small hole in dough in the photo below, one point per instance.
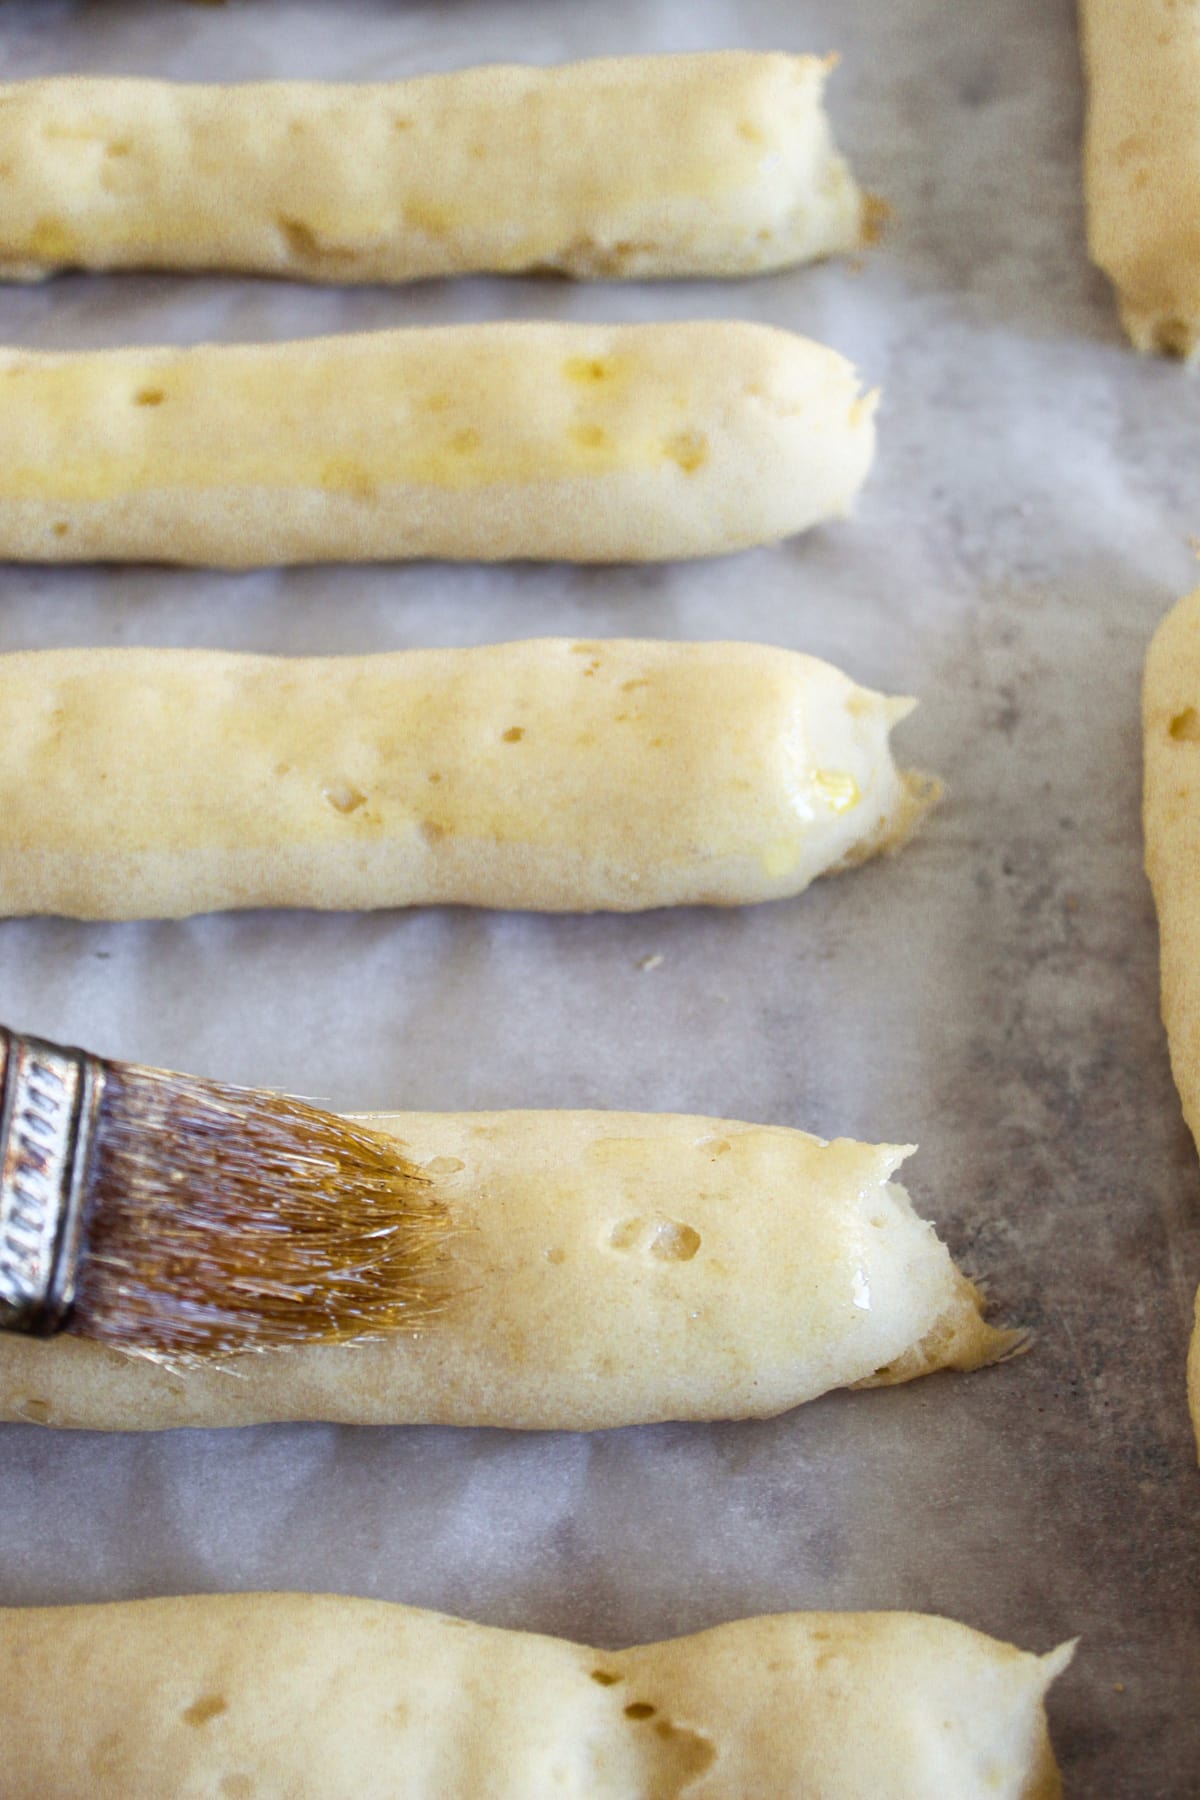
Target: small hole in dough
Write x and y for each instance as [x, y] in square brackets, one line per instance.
[445, 1165]
[208, 1706]
[606, 1677]
[640, 1709]
[674, 1242]
[514, 734]
[1185, 726]
[344, 797]
[149, 396]
[666, 1239]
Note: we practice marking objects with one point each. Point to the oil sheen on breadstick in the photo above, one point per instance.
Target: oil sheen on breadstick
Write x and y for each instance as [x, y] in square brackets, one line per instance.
[547, 775]
[323, 1698]
[609, 1269]
[484, 442]
[717, 164]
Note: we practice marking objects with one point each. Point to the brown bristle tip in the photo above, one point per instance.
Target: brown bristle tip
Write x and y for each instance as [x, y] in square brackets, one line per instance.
[223, 1220]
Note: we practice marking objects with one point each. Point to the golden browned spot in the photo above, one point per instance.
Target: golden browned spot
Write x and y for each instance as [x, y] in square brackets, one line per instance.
[50, 239]
[344, 797]
[445, 1165]
[586, 369]
[119, 147]
[342, 475]
[749, 130]
[209, 1706]
[689, 449]
[1185, 726]
[401, 124]
[36, 1411]
[589, 437]
[514, 734]
[605, 1677]
[237, 1787]
[628, 687]
[433, 779]
[439, 403]
[640, 1709]
[432, 220]
[60, 528]
[149, 396]
[557, 1257]
[431, 831]
[464, 443]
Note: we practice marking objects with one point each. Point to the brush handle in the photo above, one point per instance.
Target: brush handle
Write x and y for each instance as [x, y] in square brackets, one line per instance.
[49, 1102]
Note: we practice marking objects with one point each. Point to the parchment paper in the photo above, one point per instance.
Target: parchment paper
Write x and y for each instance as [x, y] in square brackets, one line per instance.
[991, 993]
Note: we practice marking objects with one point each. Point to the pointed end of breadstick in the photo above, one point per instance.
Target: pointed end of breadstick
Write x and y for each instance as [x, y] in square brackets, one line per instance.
[1156, 333]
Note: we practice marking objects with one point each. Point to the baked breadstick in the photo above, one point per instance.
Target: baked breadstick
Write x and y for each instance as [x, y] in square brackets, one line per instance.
[316, 1697]
[543, 775]
[634, 166]
[1171, 719]
[1143, 164]
[614, 1269]
[592, 443]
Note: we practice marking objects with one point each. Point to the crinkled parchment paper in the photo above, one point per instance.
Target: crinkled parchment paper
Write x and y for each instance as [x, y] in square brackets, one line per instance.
[991, 993]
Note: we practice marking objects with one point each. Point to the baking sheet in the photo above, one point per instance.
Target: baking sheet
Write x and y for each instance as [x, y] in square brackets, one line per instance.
[991, 993]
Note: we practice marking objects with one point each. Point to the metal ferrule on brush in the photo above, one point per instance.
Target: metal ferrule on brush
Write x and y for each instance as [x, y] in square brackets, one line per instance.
[49, 1105]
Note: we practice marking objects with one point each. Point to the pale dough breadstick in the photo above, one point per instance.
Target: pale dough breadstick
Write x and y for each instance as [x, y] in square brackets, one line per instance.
[544, 775]
[633, 166]
[592, 443]
[1171, 719]
[616, 1269]
[316, 1697]
[1143, 164]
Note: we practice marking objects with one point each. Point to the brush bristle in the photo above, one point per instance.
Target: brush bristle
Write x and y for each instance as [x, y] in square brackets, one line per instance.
[223, 1220]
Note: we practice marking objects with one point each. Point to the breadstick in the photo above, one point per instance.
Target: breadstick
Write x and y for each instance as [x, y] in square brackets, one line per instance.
[317, 1697]
[1143, 164]
[591, 443]
[544, 775]
[614, 1269]
[1171, 719]
[634, 166]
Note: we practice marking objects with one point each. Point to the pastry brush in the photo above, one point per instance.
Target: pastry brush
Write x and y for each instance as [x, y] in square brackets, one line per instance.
[175, 1217]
